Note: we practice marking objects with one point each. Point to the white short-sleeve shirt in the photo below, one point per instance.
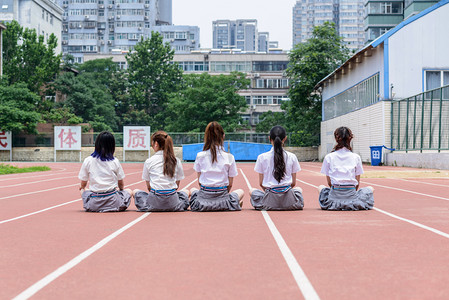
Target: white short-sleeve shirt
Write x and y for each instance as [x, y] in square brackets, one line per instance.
[153, 171]
[265, 165]
[102, 175]
[342, 166]
[215, 174]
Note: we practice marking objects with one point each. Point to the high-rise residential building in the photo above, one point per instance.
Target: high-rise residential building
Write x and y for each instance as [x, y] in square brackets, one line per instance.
[2, 27]
[107, 26]
[381, 16]
[347, 15]
[45, 16]
[238, 34]
[263, 42]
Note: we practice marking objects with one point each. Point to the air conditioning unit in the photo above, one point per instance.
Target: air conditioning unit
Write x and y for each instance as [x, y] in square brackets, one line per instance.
[111, 18]
[80, 26]
[86, 17]
[256, 75]
[100, 32]
[109, 42]
[64, 42]
[101, 6]
[118, 5]
[109, 6]
[118, 17]
[172, 40]
[64, 18]
[253, 106]
[65, 5]
[140, 28]
[66, 30]
[147, 5]
[102, 42]
[146, 17]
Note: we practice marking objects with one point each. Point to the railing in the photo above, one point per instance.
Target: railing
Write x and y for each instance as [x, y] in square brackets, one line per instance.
[421, 122]
[46, 139]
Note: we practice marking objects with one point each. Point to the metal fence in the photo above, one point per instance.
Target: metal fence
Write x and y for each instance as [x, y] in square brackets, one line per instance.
[46, 139]
[421, 122]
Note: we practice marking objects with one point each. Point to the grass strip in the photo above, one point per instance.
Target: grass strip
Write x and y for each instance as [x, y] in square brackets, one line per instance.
[8, 169]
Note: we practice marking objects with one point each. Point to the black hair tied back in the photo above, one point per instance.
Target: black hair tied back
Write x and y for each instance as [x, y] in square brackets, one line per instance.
[277, 135]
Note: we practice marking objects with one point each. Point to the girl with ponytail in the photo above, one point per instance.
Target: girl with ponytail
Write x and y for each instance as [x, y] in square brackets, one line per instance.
[343, 169]
[216, 170]
[162, 173]
[277, 177]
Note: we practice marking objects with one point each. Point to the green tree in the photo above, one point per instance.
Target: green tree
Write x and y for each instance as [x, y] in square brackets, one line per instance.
[205, 98]
[309, 63]
[17, 108]
[152, 76]
[27, 58]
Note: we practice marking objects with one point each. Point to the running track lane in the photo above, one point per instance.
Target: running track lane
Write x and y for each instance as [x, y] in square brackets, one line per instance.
[184, 255]
[366, 254]
[36, 245]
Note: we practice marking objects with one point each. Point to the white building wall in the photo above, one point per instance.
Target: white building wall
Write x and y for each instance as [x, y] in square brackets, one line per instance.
[420, 45]
[368, 66]
[369, 125]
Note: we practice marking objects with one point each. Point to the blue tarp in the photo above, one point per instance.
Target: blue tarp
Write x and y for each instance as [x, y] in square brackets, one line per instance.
[241, 151]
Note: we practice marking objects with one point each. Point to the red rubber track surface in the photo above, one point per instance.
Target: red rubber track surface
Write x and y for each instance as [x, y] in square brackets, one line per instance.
[223, 255]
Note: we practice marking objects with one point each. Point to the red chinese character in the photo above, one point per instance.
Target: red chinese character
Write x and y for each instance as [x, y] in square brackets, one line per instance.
[3, 137]
[137, 138]
[69, 140]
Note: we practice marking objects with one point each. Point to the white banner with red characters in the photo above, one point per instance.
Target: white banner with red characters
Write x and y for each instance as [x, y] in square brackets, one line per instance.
[136, 138]
[5, 140]
[67, 137]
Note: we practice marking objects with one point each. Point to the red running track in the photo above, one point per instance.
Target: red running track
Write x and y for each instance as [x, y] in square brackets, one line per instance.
[52, 249]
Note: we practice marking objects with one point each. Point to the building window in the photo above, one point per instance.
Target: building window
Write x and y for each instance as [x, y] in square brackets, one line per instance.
[358, 96]
[436, 79]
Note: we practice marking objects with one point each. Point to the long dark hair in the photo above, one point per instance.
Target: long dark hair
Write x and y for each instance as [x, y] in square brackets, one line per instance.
[343, 136]
[213, 138]
[277, 135]
[104, 146]
[166, 144]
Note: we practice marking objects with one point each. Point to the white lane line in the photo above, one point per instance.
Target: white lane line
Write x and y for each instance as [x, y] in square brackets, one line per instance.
[36, 287]
[407, 191]
[193, 181]
[31, 182]
[40, 191]
[400, 218]
[35, 176]
[51, 207]
[443, 234]
[301, 279]
[423, 182]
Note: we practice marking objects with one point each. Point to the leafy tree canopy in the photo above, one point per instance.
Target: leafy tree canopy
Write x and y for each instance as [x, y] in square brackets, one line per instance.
[27, 58]
[309, 63]
[152, 76]
[17, 108]
[205, 98]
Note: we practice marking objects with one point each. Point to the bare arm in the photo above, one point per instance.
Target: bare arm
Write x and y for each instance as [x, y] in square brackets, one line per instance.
[177, 183]
[358, 182]
[231, 181]
[261, 181]
[121, 185]
[293, 180]
[198, 174]
[83, 185]
[329, 182]
[148, 185]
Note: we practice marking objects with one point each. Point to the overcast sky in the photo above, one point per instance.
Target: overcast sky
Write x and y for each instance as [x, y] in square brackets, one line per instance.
[274, 16]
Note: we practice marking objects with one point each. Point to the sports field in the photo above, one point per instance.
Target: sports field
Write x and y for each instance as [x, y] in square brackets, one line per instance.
[52, 249]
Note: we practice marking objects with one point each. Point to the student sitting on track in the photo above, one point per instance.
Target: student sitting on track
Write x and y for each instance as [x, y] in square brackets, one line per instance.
[216, 170]
[105, 176]
[277, 176]
[343, 169]
[162, 173]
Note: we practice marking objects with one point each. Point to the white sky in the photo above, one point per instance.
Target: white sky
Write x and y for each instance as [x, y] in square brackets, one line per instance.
[274, 16]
